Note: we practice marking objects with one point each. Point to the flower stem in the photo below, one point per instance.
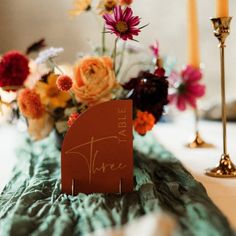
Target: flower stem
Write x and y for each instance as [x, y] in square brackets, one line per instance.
[82, 107]
[196, 119]
[114, 54]
[121, 59]
[103, 40]
[73, 97]
[54, 65]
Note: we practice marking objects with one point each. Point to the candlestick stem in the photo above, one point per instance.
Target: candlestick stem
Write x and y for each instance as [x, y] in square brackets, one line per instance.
[225, 168]
[196, 120]
[223, 106]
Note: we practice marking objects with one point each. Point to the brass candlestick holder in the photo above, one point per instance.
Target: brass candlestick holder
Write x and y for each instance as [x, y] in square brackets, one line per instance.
[225, 168]
[198, 142]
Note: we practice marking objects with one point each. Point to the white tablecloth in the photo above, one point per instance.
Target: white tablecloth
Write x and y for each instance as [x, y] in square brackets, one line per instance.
[10, 138]
[175, 135]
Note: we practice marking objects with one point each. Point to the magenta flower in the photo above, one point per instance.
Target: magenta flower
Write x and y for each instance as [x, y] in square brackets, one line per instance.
[155, 49]
[122, 23]
[186, 88]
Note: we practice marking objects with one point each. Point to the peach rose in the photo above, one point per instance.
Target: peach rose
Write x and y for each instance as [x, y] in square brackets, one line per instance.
[94, 80]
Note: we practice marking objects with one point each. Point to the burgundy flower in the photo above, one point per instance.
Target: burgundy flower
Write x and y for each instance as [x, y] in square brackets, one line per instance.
[149, 93]
[122, 23]
[186, 88]
[14, 69]
[160, 72]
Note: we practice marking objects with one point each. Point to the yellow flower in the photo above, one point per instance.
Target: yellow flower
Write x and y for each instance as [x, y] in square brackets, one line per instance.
[106, 6]
[50, 95]
[80, 6]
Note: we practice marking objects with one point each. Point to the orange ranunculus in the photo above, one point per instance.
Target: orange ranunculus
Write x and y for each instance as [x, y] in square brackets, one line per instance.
[144, 122]
[94, 80]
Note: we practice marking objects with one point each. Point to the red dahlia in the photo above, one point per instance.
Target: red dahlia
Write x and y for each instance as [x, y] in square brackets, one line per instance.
[14, 69]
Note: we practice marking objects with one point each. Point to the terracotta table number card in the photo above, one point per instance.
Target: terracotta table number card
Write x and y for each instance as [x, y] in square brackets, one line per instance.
[97, 151]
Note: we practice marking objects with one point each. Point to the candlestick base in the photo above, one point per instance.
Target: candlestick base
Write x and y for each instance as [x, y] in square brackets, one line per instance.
[225, 169]
[198, 142]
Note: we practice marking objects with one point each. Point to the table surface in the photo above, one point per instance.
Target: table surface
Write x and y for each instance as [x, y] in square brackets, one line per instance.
[173, 136]
[161, 185]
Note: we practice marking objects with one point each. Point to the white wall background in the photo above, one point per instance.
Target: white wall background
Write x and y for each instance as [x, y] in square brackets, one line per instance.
[24, 21]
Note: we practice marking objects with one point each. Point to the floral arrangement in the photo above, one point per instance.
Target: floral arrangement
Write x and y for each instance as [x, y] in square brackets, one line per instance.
[55, 99]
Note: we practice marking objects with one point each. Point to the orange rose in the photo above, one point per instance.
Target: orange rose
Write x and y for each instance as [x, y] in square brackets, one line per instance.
[94, 80]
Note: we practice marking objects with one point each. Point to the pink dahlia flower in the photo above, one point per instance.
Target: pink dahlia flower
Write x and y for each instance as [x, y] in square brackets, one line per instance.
[122, 23]
[186, 88]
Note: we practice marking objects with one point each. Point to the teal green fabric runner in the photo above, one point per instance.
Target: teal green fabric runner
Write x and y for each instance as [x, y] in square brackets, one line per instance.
[31, 204]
